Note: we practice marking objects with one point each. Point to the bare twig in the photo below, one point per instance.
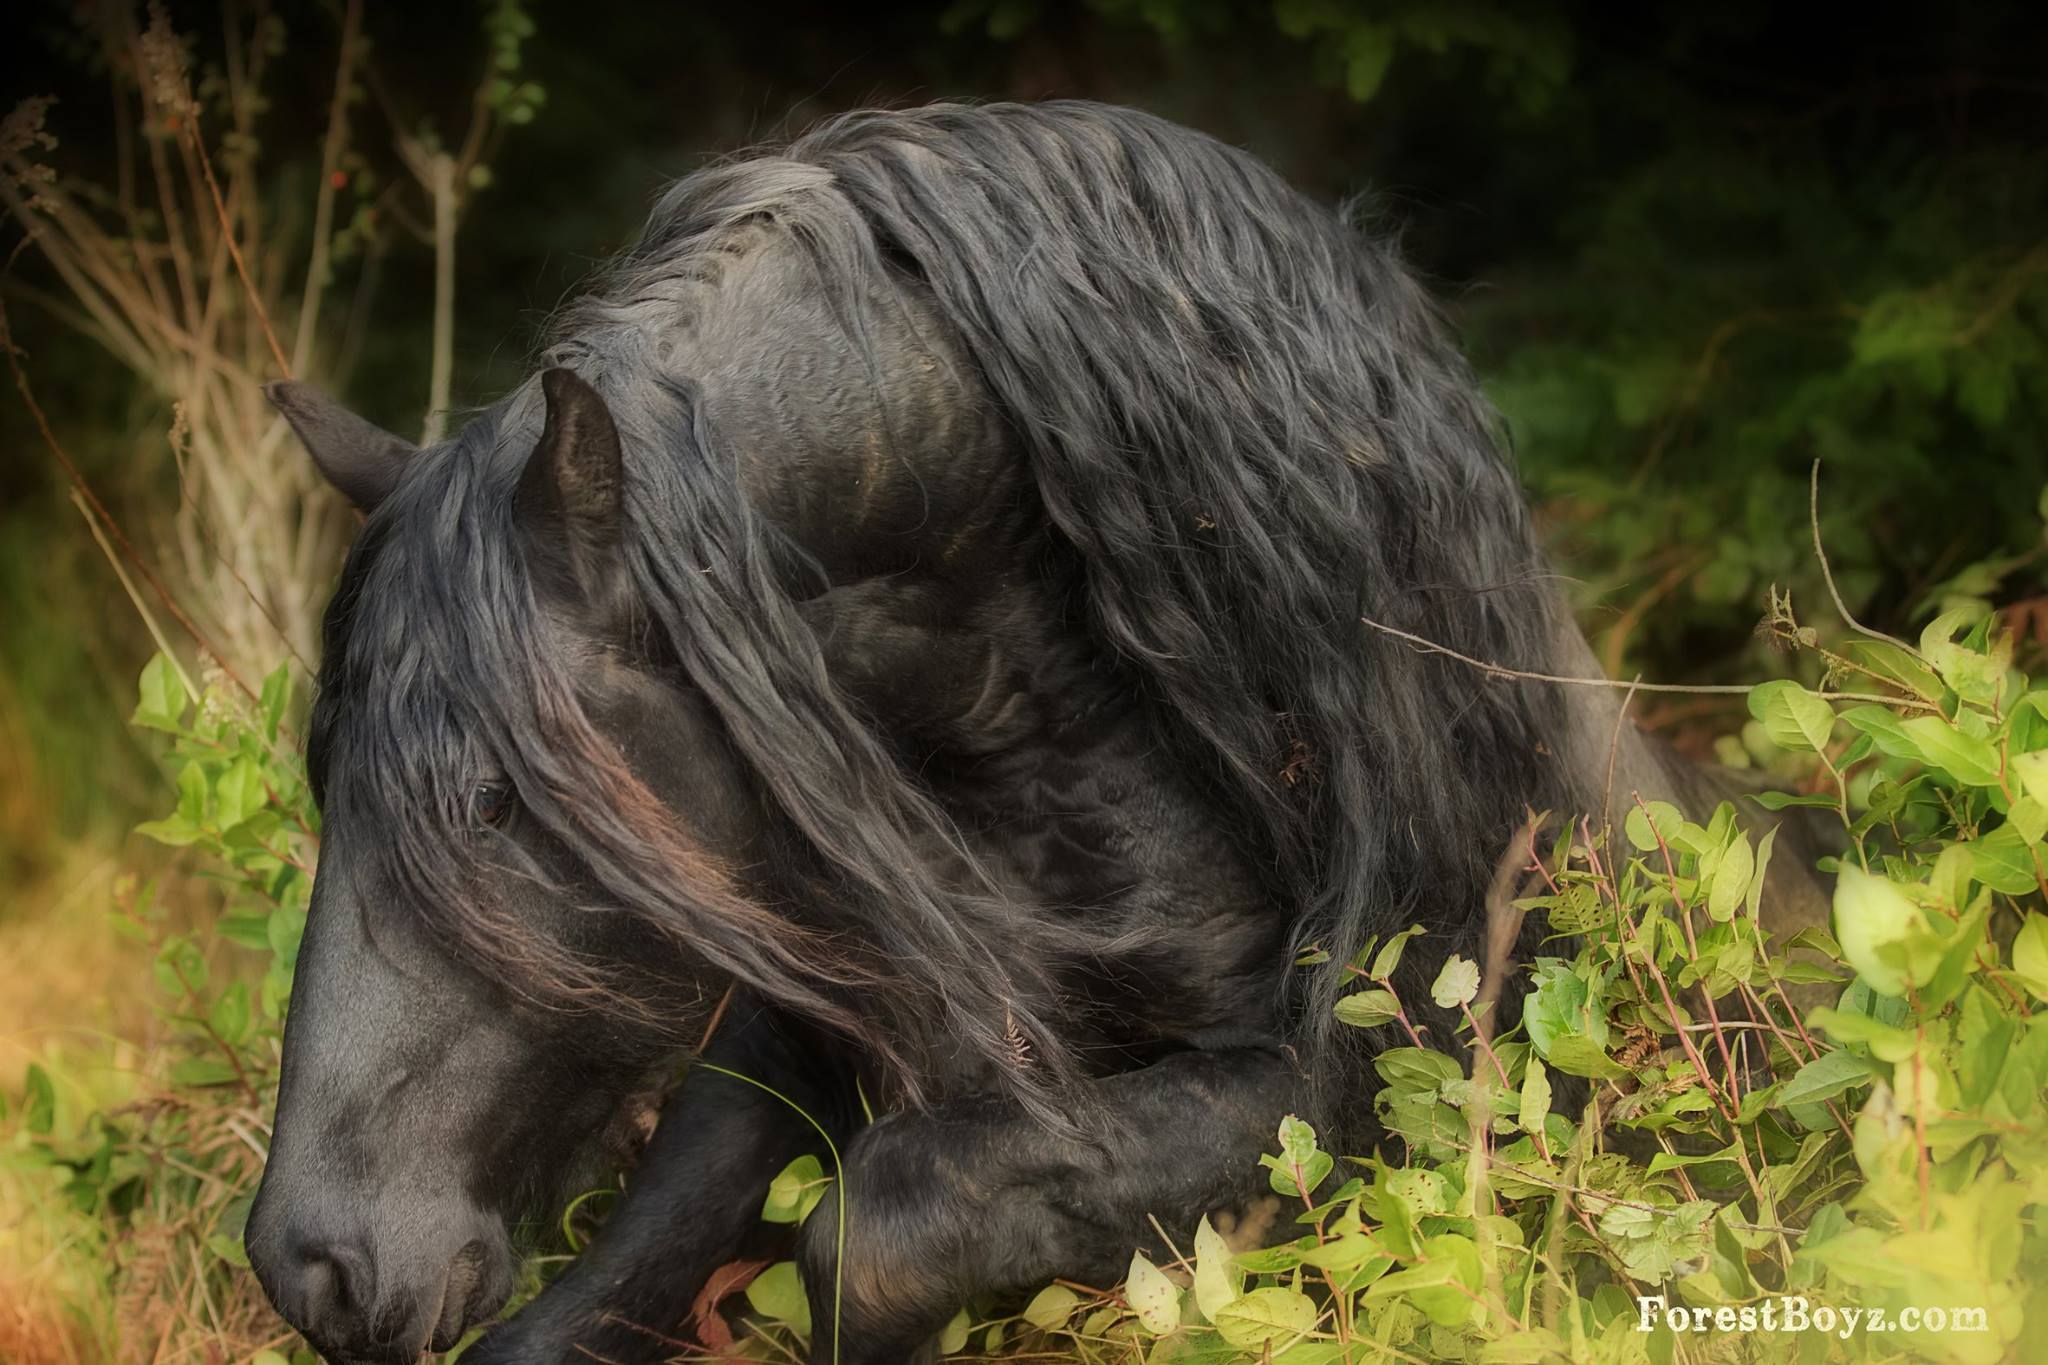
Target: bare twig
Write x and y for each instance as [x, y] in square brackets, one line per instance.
[228, 236]
[99, 509]
[1827, 574]
[1493, 670]
[323, 204]
[440, 180]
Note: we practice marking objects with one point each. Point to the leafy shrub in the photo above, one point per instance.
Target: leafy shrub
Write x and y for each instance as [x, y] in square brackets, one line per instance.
[1730, 1155]
[161, 1179]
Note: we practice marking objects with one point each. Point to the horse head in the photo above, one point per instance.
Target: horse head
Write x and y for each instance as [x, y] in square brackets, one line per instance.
[482, 707]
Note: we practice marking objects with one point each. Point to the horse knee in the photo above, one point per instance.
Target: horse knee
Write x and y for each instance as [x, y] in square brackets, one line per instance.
[886, 1268]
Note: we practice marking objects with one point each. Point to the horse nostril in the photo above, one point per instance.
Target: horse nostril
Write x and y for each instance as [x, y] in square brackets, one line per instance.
[459, 1291]
[334, 1284]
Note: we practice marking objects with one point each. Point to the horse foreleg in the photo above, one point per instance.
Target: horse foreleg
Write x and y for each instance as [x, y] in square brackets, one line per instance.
[974, 1197]
[694, 1194]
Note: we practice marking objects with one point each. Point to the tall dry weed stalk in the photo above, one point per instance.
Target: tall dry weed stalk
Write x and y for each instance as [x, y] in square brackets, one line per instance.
[175, 270]
[206, 265]
[188, 267]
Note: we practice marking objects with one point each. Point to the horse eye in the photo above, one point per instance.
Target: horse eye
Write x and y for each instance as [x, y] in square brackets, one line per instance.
[491, 802]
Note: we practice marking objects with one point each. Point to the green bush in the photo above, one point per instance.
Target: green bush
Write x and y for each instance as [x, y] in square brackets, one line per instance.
[1734, 1158]
[159, 1178]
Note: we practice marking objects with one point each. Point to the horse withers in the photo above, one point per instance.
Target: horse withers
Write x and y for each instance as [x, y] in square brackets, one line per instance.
[918, 604]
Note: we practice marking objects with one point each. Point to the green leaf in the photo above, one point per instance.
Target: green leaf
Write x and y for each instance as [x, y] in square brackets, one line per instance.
[1651, 1243]
[160, 696]
[1051, 1306]
[230, 1014]
[1561, 1004]
[1455, 1302]
[1577, 1055]
[2030, 818]
[277, 696]
[1957, 959]
[1397, 1220]
[1776, 801]
[1153, 1297]
[192, 793]
[1389, 955]
[39, 1101]
[1859, 1256]
[1885, 1042]
[2030, 955]
[174, 830]
[1416, 1068]
[1974, 674]
[203, 1071]
[1823, 1078]
[1647, 823]
[1730, 886]
[1423, 1191]
[1759, 877]
[1872, 914]
[1364, 1009]
[1456, 984]
[1368, 52]
[795, 1191]
[1535, 1106]
[1884, 730]
[2031, 771]
[2003, 861]
[1444, 1286]
[239, 794]
[286, 927]
[229, 1249]
[954, 1337]
[248, 931]
[1793, 717]
[1888, 663]
[776, 1293]
[1217, 1280]
[1266, 1317]
[180, 969]
[1301, 1165]
[1967, 759]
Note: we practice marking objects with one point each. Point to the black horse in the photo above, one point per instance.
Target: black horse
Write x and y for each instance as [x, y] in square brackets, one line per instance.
[920, 601]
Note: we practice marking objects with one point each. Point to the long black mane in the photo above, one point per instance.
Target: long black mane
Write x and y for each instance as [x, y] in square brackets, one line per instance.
[1242, 415]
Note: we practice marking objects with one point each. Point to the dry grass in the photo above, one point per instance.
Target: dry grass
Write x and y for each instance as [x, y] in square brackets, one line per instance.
[81, 1288]
[175, 272]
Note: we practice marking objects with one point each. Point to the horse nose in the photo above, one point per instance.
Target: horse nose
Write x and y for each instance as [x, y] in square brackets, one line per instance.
[325, 1288]
[335, 1283]
[369, 1298]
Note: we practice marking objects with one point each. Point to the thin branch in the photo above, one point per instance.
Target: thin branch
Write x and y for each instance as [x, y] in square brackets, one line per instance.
[227, 229]
[149, 621]
[323, 204]
[1813, 515]
[106, 518]
[1688, 689]
[440, 179]
[1613, 753]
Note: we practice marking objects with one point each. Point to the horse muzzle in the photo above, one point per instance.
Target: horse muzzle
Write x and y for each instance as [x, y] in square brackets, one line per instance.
[416, 1284]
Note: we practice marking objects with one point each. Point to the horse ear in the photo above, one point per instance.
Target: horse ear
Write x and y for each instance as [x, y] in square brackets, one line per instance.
[359, 458]
[569, 493]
